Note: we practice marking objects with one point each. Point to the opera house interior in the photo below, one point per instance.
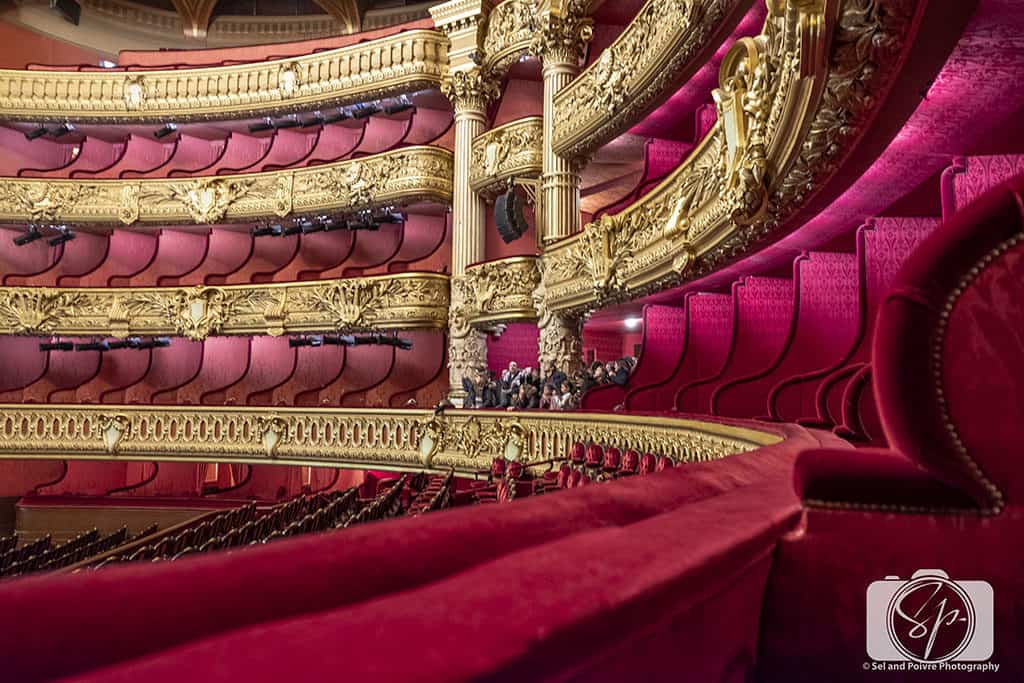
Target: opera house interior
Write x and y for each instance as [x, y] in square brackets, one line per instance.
[511, 340]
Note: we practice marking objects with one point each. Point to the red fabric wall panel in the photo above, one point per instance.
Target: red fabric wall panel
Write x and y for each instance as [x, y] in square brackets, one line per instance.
[89, 478]
[289, 147]
[23, 46]
[336, 142]
[423, 239]
[269, 255]
[320, 395]
[191, 154]
[519, 343]
[709, 341]
[227, 251]
[177, 253]
[21, 364]
[17, 152]
[94, 154]
[118, 370]
[365, 368]
[20, 477]
[603, 345]
[171, 368]
[428, 125]
[317, 253]
[177, 479]
[243, 151]
[141, 154]
[383, 133]
[372, 249]
[225, 361]
[315, 367]
[271, 363]
[65, 373]
[414, 370]
[18, 263]
[521, 98]
[128, 253]
[68, 262]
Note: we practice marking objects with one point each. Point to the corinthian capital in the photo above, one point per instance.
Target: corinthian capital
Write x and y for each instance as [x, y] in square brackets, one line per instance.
[470, 89]
[563, 33]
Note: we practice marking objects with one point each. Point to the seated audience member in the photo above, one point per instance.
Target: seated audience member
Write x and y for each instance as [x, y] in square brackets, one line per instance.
[552, 375]
[621, 374]
[548, 398]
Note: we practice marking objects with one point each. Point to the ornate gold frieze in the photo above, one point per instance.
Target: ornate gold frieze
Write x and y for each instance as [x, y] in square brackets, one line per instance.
[501, 291]
[510, 30]
[791, 102]
[665, 44]
[513, 150]
[470, 90]
[403, 176]
[465, 441]
[401, 301]
[402, 63]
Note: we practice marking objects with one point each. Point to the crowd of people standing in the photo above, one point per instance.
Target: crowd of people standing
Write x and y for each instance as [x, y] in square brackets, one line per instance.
[548, 389]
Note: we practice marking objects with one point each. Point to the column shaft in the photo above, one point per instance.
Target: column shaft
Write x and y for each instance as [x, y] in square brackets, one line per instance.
[560, 183]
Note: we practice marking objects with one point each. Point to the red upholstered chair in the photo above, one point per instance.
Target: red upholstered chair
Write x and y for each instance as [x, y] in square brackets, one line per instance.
[647, 463]
[577, 454]
[612, 460]
[664, 463]
[595, 454]
[630, 462]
[498, 466]
[564, 474]
[949, 381]
[515, 469]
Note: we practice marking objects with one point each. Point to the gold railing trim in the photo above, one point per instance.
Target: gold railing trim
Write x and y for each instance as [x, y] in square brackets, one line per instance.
[399, 301]
[330, 78]
[500, 291]
[403, 176]
[393, 439]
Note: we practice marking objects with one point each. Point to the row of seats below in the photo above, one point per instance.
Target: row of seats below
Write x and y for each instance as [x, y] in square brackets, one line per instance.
[42, 555]
[212, 152]
[42, 483]
[229, 371]
[169, 257]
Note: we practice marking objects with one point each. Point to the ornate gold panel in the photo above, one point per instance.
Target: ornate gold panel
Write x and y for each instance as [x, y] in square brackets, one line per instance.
[511, 27]
[512, 150]
[791, 102]
[403, 176]
[403, 63]
[465, 441]
[499, 291]
[664, 45]
[401, 301]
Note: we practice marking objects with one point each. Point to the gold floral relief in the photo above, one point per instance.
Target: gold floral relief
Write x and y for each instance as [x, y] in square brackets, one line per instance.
[501, 291]
[402, 176]
[513, 150]
[786, 113]
[401, 301]
[402, 63]
[465, 441]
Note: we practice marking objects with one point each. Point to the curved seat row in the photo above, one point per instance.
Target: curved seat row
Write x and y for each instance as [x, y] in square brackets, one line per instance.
[228, 371]
[171, 257]
[216, 152]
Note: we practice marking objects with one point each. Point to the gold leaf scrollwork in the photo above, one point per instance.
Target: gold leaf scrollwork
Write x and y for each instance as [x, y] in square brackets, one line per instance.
[470, 89]
[36, 311]
[43, 202]
[113, 429]
[128, 212]
[208, 200]
[274, 431]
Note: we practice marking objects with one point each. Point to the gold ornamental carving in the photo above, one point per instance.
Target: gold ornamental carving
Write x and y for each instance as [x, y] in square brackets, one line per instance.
[666, 43]
[402, 176]
[465, 441]
[401, 301]
[470, 90]
[562, 31]
[513, 150]
[501, 291]
[510, 30]
[402, 63]
[790, 102]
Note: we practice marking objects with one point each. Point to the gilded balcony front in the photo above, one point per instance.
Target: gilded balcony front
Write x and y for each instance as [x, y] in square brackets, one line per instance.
[512, 150]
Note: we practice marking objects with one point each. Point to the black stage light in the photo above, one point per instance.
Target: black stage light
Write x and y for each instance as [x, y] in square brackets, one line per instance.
[265, 124]
[363, 112]
[391, 217]
[315, 340]
[166, 130]
[64, 236]
[363, 224]
[398, 107]
[35, 133]
[154, 343]
[307, 228]
[93, 346]
[268, 231]
[117, 344]
[317, 119]
[56, 346]
[340, 115]
[508, 216]
[292, 229]
[63, 129]
[336, 225]
[290, 122]
[31, 235]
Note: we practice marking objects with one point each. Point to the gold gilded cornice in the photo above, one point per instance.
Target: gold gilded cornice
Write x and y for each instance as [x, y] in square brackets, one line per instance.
[470, 90]
[401, 301]
[510, 31]
[791, 103]
[512, 150]
[664, 45]
[405, 62]
[465, 441]
[501, 291]
[403, 176]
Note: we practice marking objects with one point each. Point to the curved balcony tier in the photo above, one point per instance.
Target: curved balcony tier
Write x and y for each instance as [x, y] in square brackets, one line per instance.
[402, 63]
[402, 301]
[498, 291]
[463, 441]
[402, 176]
[512, 150]
[792, 103]
[665, 44]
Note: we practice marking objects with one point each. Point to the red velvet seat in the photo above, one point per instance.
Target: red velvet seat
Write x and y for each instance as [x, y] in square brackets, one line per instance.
[594, 456]
[630, 462]
[647, 463]
[612, 460]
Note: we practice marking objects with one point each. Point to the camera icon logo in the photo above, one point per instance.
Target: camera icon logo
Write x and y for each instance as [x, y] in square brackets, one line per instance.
[930, 619]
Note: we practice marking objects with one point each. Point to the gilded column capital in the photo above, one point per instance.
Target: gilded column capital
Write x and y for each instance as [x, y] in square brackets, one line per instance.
[563, 31]
[470, 91]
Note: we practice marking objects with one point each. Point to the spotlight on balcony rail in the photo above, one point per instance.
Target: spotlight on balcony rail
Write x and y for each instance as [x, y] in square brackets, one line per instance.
[398, 106]
[390, 217]
[35, 133]
[165, 130]
[317, 119]
[93, 346]
[363, 224]
[340, 115]
[31, 235]
[265, 124]
[268, 231]
[56, 346]
[289, 122]
[64, 235]
[364, 111]
[154, 343]
[63, 129]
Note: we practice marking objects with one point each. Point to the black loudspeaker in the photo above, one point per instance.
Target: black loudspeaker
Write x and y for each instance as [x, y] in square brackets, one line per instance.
[508, 214]
[69, 9]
